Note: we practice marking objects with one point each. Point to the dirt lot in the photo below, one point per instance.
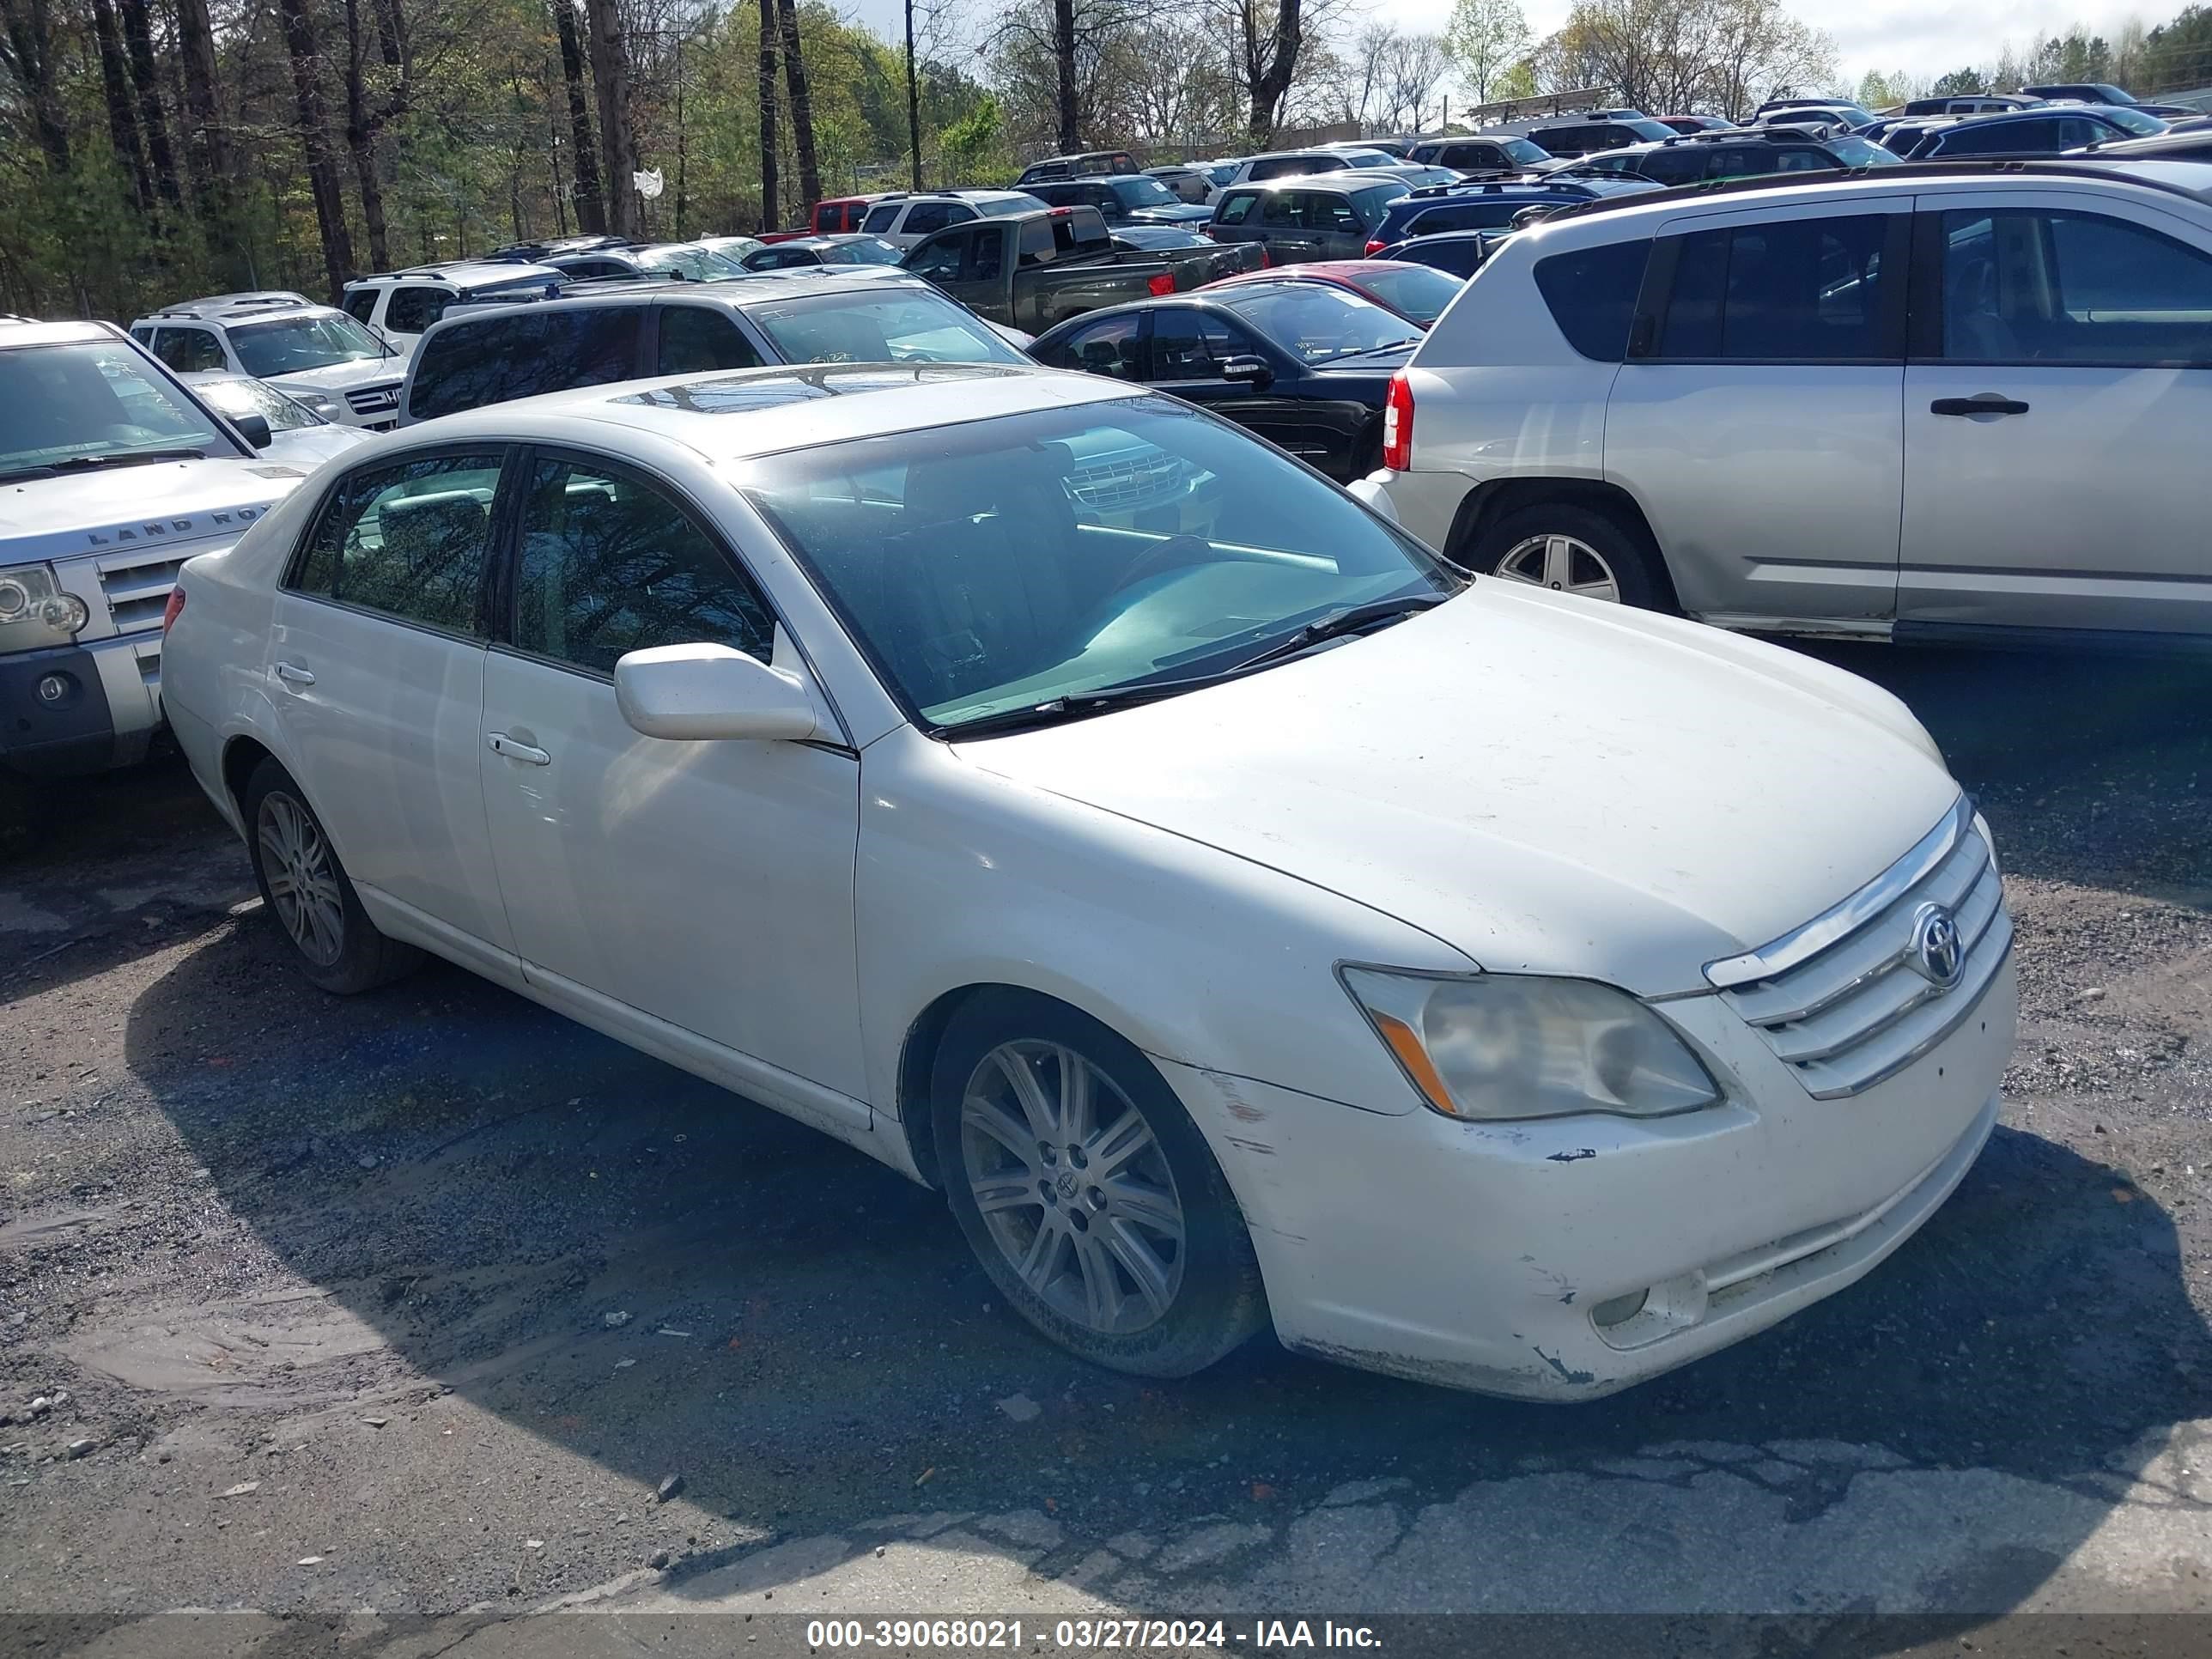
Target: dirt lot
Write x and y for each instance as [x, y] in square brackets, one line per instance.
[412, 1303]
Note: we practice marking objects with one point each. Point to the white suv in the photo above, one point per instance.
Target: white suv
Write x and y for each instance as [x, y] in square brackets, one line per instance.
[316, 353]
[1732, 403]
[905, 218]
[400, 306]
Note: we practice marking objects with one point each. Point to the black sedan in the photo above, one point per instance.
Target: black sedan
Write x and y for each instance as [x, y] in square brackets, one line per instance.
[852, 248]
[1304, 365]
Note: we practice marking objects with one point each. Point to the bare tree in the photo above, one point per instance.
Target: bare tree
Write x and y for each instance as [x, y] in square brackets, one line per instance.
[768, 33]
[368, 114]
[617, 139]
[802, 106]
[122, 118]
[153, 122]
[1269, 34]
[1412, 68]
[300, 48]
[27, 52]
[591, 215]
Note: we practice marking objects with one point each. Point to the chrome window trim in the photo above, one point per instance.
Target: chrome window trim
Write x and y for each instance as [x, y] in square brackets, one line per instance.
[1800, 944]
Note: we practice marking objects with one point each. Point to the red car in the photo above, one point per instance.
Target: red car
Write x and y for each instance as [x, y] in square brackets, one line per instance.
[832, 215]
[1417, 293]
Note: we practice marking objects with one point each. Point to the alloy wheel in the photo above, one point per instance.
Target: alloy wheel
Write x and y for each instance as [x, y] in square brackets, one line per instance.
[303, 879]
[1073, 1186]
[1565, 564]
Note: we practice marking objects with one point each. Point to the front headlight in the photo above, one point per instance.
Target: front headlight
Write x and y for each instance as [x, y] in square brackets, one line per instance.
[1491, 1046]
[35, 611]
[321, 402]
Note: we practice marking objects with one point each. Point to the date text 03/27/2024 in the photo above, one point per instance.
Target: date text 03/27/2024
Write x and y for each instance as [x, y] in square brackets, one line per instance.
[1159, 1635]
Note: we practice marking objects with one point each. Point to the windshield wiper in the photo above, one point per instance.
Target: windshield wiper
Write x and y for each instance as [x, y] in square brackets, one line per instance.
[1369, 351]
[124, 458]
[1337, 624]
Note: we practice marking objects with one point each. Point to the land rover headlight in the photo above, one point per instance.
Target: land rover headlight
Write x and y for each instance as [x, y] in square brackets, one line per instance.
[34, 611]
[1491, 1045]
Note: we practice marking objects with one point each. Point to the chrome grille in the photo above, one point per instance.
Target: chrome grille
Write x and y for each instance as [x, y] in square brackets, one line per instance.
[137, 585]
[1841, 1001]
[373, 399]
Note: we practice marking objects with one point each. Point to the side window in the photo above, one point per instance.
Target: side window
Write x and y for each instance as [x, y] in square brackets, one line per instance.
[1236, 208]
[938, 258]
[2076, 131]
[409, 540]
[1673, 167]
[1794, 290]
[986, 255]
[1460, 256]
[881, 218]
[695, 338]
[1037, 246]
[361, 303]
[590, 345]
[1334, 214]
[1803, 160]
[2031, 285]
[1281, 168]
[1188, 344]
[1285, 211]
[610, 565]
[463, 366]
[1108, 348]
[413, 307]
[188, 351]
[1592, 295]
[926, 216]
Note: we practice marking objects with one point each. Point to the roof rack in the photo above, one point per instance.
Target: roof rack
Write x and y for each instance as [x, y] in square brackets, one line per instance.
[1903, 170]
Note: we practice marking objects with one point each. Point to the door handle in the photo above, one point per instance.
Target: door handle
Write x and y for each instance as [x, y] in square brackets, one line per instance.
[1988, 403]
[502, 744]
[293, 674]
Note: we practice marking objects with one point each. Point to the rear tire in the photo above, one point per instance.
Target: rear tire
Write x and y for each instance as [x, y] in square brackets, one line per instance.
[1087, 1194]
[308, 895]
[1568, 548]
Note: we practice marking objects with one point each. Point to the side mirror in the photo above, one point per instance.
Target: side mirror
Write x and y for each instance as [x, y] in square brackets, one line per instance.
[1252, 371]
[254, 428]
[700, 693]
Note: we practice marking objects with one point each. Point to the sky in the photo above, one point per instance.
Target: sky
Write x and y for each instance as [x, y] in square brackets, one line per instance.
[1921, 37]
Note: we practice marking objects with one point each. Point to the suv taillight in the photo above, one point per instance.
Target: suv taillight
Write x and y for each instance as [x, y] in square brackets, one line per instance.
[1398, 425]
[1163, 284]
[174, 609]
[1376, 247]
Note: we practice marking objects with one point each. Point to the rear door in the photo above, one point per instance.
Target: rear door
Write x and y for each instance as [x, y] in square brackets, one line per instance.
[1758, 417]
[1292, 226]
[2056, 408]
[375, 672]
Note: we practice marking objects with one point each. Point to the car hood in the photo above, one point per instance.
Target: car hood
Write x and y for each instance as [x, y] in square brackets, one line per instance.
[1190, 213]
[309, 447]
[163, 502]
[342, 377]
[1548, 784]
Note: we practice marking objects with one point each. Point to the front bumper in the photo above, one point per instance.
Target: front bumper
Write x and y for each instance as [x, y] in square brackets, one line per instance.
[76, 709]
[1474, 1255]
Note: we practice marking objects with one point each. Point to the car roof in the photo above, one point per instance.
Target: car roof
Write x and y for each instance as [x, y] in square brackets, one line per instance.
[754, 288]
[2189, 178]
[735, 415]
[235, 307]
[1333, 271]
[466, 273]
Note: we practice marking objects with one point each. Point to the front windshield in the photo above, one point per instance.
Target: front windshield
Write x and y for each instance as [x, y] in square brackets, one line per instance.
[896, 324]
[1220, 172]
[62, 403]
[287, 345]
[1420, 292]
[1004, 563]
[2134, 120]
[1375, 158]
[1521, 150]
[1317, 325]
[692, 264]
[864, 250]
[237, 397]
[993, 207]
[1145, 193]
[1854, 151]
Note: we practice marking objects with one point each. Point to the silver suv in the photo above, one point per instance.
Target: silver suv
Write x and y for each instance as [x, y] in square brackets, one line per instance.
[1940, 402]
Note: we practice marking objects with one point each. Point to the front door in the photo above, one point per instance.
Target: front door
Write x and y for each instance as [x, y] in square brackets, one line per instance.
[2056, 411]
[1756, 417]
[376, 670]
[707, 885]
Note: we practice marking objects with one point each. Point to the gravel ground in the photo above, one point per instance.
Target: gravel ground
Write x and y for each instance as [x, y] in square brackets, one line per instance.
[416, 1302]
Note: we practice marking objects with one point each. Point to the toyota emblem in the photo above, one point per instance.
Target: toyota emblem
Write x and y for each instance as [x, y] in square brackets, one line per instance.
[1937, 953]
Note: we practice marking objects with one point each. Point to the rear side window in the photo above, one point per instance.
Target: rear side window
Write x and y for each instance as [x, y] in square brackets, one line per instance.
[361, 303]
[502, 358]
[935, 216]
[881, 218]
[694, 338]
[1998, 138]
[410, 541]
[1793, 290]
[463, 366]
[414, 308]
[1375, 201]
[188, 351]
[589, 346]
[1592, 295]
[1677, 167]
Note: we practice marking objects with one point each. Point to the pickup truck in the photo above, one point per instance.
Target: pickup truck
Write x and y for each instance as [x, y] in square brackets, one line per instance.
[1030, 270]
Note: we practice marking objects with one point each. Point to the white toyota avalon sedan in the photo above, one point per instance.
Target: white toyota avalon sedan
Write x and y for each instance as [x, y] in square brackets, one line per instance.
[1083, 807]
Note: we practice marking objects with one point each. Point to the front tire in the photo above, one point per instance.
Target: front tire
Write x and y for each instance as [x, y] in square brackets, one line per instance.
[1087, 1191]
[1570, 549]
[305, 889]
